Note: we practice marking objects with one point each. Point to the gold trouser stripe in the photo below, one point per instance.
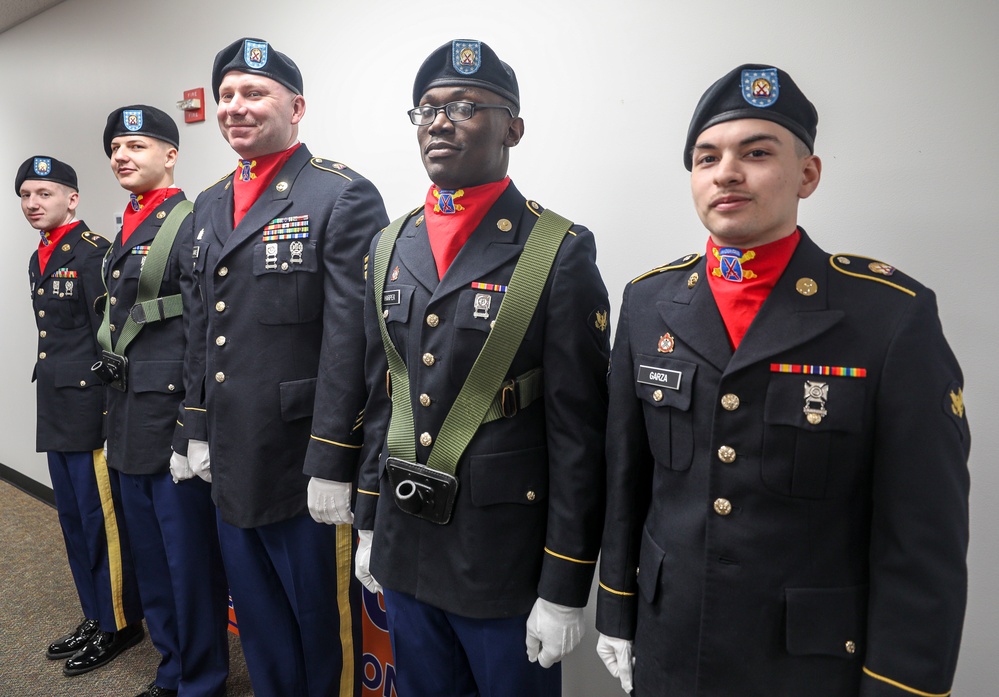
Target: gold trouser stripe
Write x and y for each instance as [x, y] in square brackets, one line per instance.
[900, 686]
[111, 532]
[344, 540]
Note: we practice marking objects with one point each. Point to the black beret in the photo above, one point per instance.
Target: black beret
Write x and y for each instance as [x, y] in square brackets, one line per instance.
[44, 168]
[140, 120]
[258, 57]
[466, 62]
[753, 92]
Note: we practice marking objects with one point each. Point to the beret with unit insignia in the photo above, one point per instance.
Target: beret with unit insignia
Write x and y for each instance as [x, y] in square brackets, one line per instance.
[140, 120]
[258, 57]
[45, 168]
[753, 92]
[466, 62]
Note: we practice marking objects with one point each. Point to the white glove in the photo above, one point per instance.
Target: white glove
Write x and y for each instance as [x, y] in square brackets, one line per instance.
[329, 501]
[616, 655]
[179, 467]
[199, 460]
[552, 632]
[362, 562]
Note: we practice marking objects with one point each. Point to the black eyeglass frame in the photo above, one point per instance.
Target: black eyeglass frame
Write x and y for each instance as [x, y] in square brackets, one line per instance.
[416, 112]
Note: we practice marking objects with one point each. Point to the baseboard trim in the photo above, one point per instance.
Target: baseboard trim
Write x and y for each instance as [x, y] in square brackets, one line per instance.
[27, 484]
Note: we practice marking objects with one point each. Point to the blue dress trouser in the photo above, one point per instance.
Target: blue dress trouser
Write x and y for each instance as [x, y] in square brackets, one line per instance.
[89, 507]
[440, 654]
[181, 580]
[296, 603]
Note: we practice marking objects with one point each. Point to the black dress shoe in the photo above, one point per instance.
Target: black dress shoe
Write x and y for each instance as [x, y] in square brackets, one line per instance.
[102, 648]
[157, 691]
[74, 641]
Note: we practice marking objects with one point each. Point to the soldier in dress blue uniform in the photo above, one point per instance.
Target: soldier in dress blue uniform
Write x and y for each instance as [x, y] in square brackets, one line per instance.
[787, 454]
[65, 276]
[168, 510]
[276, 395]
[513, 566]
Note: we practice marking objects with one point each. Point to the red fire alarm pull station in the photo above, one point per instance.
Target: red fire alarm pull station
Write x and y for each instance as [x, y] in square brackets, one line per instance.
[193, 105]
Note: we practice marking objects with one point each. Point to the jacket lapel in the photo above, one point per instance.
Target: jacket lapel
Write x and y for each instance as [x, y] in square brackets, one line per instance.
[691, 313]
[270, 205]
[489, 247]
[789, 318]
[413, 250]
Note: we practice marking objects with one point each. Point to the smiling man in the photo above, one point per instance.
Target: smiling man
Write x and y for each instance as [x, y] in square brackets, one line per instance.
[276, 385]
[65, 275]
[787, 464]
[169, 511]
[481, 493]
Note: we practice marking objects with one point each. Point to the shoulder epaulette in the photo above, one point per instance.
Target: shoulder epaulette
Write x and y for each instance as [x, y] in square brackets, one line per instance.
[680, 263]
[330, 166]
[92, 238]
[537, 209]
[871, 270]
[219, 180]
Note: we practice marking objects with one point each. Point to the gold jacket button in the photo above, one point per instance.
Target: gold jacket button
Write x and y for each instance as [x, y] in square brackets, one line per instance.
[41, 356]
[726, 454]
[224, 271]
[284, 266]
[220, 306]
[41, 313]
[730, 402]
[171, 388]
[41, 291]
[83, 383]
[851, 647]
[115, 274]
[723, 506]
[43, 333]
[114, 300]
[428, 359]
[111, 327]
[220, 376]
[425, 399]
[657, 395]
[220, 341]
[426, 440]
[692, 281]
[385, 314]
[531, 496]
[433, 320]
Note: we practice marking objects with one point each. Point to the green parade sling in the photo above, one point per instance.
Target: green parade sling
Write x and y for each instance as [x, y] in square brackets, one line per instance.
[483, 396]
[148, 306]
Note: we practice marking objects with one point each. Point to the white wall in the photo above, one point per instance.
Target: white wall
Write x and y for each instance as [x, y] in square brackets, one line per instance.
[905, 89]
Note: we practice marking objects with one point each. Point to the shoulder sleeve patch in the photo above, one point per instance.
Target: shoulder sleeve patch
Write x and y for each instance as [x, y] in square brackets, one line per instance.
[331, 166]
[681, 263]
[871, 270]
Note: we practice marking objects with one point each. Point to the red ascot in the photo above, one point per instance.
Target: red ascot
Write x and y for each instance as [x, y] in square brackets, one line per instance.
[741, 279]
[139, 208]
[50, 240]
[252, 177]
[452, 217]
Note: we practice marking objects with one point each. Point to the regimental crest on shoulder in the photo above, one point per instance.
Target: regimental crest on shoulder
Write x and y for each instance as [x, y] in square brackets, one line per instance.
[255, 54]
[759, 87]
[43, 166]
[466, 56]
[132, 119]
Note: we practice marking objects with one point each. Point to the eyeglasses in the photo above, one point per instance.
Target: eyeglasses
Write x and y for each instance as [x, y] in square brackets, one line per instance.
[455, 111]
